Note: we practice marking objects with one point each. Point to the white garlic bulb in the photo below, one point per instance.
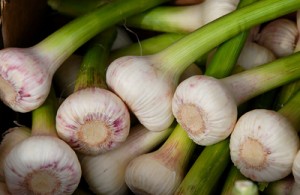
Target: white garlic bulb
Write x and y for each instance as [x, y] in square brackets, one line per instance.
[147, 91]
[42, 165]
[263, 145]
[205, 108]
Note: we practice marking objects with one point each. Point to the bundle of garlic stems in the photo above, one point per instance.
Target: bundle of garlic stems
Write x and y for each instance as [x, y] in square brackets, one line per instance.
[11, 138]
[182, 19]
[161, 171]
[93, 120]
[264, 143]
[149, 184]
[42, 163]
[105, 173]
[26, 73]
[162, 70]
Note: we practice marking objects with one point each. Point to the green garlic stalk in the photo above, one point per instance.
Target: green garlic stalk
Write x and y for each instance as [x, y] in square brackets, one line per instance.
[26, 73]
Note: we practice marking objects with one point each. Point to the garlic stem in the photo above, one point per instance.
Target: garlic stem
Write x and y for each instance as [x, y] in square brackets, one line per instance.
[286, 92]
[147, 46]
[102, 121]
[182, 19]
[233, 175]
[105, 173]
[245, 187]
[42, 163]
[162, 70]
[206, 170]
[290, 110]
[161, 171]
[92, 69]
[26, 73]
[11, 138]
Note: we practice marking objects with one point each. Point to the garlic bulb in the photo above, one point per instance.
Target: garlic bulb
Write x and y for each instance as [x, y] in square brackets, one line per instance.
[253, 55]
[95, 126]
[24, 78]
[280, 36]
[42, 165]
[199, 113]
[105, 173]
[11, 137]
[147, 92]
[161, 171]
[263, 145]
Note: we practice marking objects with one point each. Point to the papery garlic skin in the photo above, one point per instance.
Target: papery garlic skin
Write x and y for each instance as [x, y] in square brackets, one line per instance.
[159, 180]
[280, 36]
[147, 92]
[205, 109]
[24, 80]
[263, 145]
[42, 165]
[93, 121]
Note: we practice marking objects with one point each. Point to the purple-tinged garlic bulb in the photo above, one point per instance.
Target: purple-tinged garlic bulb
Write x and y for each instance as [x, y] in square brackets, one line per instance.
[42, 165]
[97, 124]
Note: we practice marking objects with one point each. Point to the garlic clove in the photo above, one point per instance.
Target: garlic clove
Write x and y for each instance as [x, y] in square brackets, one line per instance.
[280, 36]
[24, 82]
[42, 165]
[100, 122]
[202, 118]
[147, 92]
[263, 145]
